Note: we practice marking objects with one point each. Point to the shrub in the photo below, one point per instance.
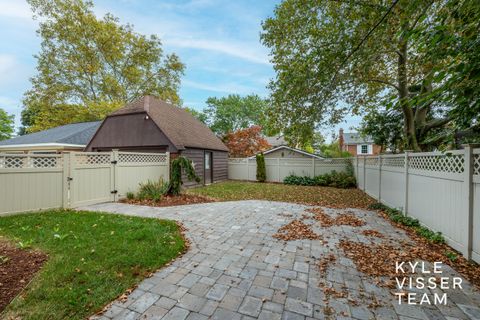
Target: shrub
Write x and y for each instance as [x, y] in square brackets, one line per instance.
[176, 182]
[261, 170]
[130, 195]
[152, 190]
[332, 179]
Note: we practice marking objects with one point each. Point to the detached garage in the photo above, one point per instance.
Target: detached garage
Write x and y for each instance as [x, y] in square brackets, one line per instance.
[153, 125]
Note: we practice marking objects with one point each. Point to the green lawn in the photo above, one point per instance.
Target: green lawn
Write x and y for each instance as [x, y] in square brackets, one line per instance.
[323, 196]
[93, 258]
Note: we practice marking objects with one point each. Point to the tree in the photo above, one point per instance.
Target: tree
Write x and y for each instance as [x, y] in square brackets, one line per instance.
[385, 128]
[245, 142]
[234, 112]
[261, 169]
[333, 150]
[6, 125]
[88, 66]
[201, 116]
[332, 57]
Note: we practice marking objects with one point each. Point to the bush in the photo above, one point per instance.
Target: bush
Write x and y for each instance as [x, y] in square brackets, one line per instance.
[261, 170]
[176, 178]
[152, 190]
[332, 179]
[130, 195]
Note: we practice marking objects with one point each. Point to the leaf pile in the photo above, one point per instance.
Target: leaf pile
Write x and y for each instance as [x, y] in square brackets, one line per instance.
[171, 200]
[373, 233]
[324, 263]
[296, 230]
[345, 219]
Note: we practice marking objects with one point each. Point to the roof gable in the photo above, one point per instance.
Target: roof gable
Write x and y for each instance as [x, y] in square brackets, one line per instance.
[356, 138]
[183, 129]
[290, 149]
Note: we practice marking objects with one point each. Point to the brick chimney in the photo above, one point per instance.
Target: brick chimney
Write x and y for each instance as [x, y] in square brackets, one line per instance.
[340, 139]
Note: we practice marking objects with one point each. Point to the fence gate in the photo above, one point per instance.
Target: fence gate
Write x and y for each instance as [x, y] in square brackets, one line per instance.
[91, 178]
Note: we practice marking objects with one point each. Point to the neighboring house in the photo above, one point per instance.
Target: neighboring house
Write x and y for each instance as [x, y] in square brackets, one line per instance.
[355, 144]
[287, 152]
[153, 125]
[276, 141]
[70, 137]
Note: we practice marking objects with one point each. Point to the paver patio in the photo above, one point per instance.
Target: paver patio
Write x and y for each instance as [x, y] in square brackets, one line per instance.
[236, 270]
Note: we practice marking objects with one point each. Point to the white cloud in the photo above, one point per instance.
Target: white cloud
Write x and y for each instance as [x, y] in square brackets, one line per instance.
[238, 50]
[15, 9]
[222, 88]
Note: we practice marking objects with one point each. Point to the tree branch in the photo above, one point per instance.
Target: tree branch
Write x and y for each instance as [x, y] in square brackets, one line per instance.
[435, 123]
[384, 82]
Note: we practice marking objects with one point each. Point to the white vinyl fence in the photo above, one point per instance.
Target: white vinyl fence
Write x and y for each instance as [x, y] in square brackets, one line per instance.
[73, 179]
[279, 168]
[441, 190]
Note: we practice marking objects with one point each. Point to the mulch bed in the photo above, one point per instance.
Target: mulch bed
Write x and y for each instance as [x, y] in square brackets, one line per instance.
[168, 201]
[17, 268]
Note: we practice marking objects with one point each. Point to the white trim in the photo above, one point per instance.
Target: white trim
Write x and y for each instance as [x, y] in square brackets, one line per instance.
[291, 149]
[33, 145]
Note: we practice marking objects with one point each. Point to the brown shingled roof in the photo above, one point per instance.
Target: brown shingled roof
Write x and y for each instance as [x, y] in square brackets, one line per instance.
[183, 129]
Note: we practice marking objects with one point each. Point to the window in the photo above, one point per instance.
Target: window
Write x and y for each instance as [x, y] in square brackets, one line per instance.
[364, 149]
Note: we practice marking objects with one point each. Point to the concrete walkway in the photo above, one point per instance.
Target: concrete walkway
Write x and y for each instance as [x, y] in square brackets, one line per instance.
[236, 270]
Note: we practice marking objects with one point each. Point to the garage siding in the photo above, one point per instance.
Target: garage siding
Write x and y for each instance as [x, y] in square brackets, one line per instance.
[196, 155]
[220, 166]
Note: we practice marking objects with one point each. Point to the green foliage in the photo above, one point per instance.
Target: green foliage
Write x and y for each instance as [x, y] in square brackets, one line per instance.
[6, 125]
[89, 66]
[130, 195]
[179, 164]
[4, 259]
[103, 255]
[385, 127]
[333, 179]
[397, 216]
[261, 169]
[234, 112]
[152, 190]
[421, 61]
[452, 256]
[201, 116]
[332, 150]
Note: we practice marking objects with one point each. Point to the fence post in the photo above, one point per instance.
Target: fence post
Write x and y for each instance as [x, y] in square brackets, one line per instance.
[278, 169]
[356, 171]
[468, 192]
[167, 162]
[364, 173]
[66, 180]
[379, 178]
[405, 202]
[113, 174]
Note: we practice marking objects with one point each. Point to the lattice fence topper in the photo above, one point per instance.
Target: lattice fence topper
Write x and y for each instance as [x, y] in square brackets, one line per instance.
[238, 160]
[438, 163]
[476, 164]
[33, 161]
[142, 158]
[372, 161]
[334, 161]
[398, 162]
[83, 159]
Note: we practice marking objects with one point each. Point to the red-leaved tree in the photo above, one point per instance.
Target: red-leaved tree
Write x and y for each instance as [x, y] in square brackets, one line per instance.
[245, 142]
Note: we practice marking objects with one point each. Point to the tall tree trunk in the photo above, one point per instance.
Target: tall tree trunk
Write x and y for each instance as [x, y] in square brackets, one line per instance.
[409, 117]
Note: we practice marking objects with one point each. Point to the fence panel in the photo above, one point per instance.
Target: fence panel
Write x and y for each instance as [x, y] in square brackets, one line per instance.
[441, 190]
[30, 182]
[135, 168]
[279, 168]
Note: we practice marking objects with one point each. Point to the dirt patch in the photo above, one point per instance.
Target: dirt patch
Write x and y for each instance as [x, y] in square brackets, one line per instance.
[17, 268]
[344, 219]
[373, 233]
[168, 201]
[296, 230]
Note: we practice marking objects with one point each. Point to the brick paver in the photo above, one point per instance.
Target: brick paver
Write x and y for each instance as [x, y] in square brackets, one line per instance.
[236, 270]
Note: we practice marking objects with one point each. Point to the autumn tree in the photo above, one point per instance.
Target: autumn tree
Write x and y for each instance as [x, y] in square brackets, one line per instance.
[417, 57]
[6, 125]
[89, 66]
[245, 142]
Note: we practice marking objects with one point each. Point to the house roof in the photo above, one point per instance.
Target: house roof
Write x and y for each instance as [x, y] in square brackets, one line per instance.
[183, 129]
[291, 149]
[276, 141]
[77, 134]
[356, 138]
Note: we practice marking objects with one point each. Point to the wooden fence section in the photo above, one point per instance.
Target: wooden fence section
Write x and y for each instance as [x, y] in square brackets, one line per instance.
[69, 180]
[279, 168]
[441, 190]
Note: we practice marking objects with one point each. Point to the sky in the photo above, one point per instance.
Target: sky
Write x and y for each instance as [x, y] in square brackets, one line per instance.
[218, 40]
